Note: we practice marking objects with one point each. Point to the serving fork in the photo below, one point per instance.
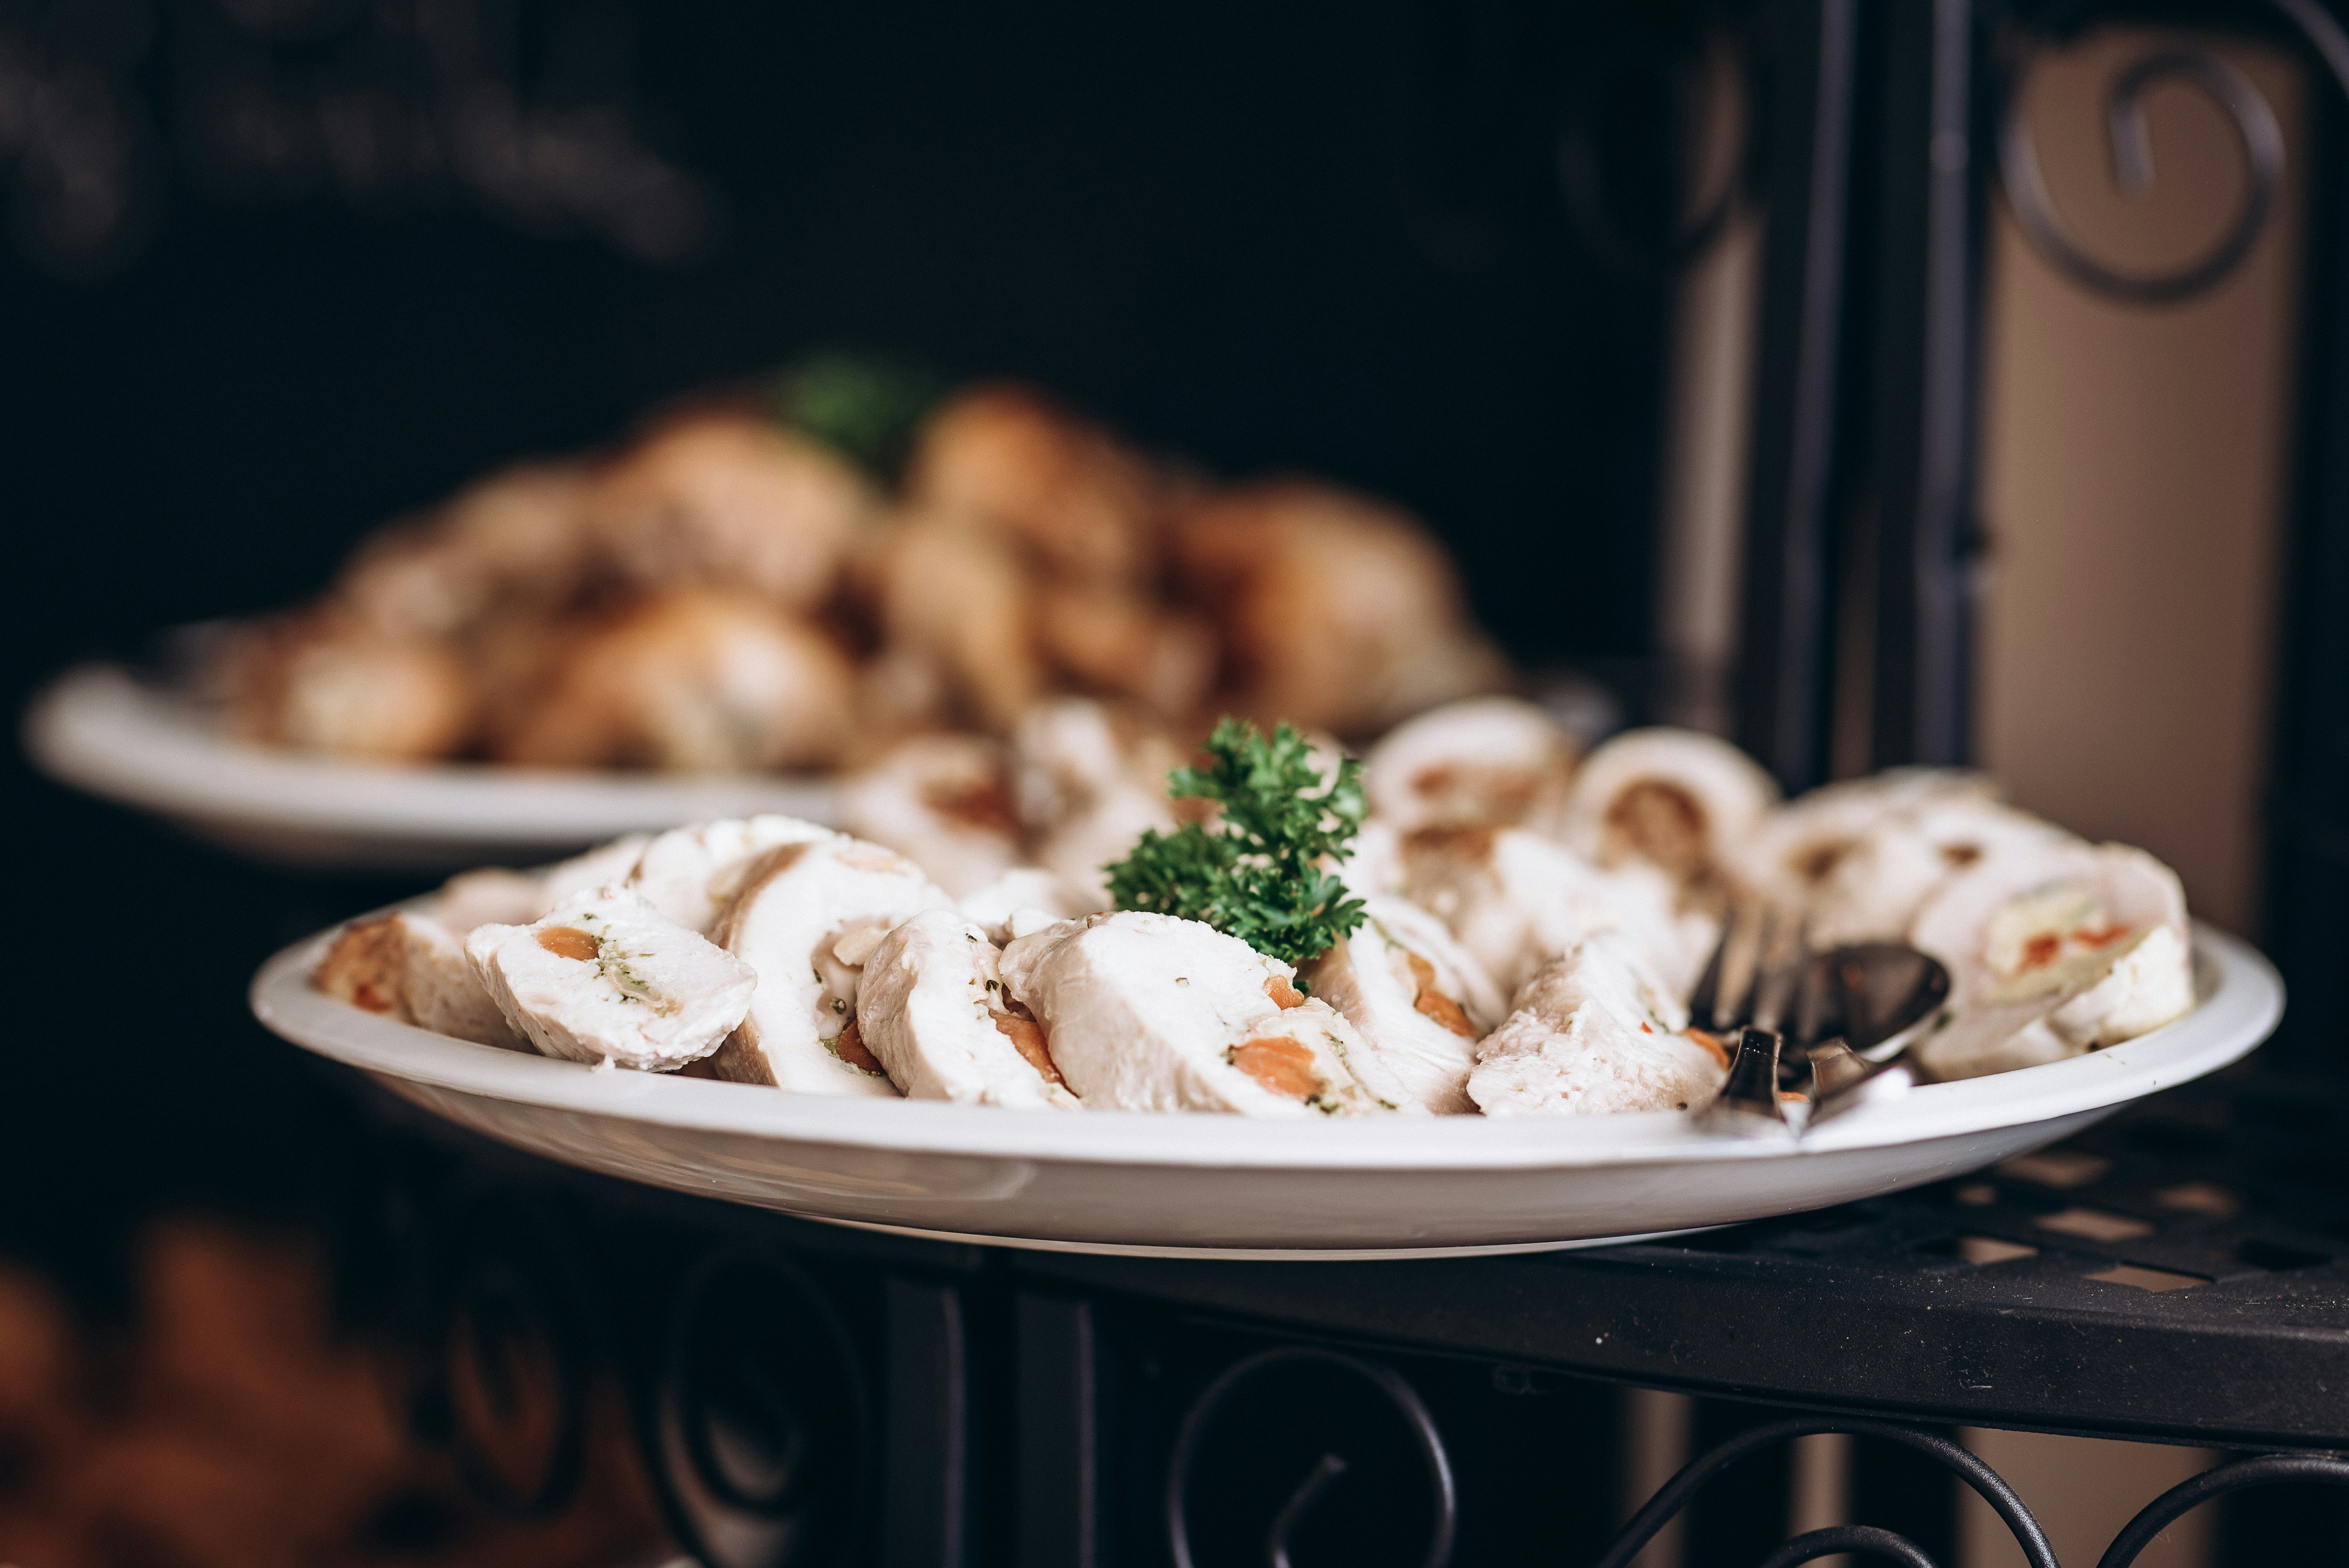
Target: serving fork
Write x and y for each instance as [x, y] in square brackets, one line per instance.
[1814, 1035]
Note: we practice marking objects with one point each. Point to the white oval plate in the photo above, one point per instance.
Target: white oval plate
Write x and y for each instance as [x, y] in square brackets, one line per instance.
[101, 729]
[1202, 1185]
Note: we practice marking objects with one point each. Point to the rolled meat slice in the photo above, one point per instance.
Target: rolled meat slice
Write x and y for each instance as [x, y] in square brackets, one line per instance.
[1595, 1033]
[605, 979]
[1089, 779]
[1415, 996]
[690, 875]
[808, 917]
[1515, 900]
[1149, 1011]
[1674, 798]
[2053, 954]
[943, 800]
[931, 1008]
[411, 967]
[496, 896]
[1022, 900]
[1486, 762]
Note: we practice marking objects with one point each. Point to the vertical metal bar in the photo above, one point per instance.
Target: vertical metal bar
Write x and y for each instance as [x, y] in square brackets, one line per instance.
[2306, 924]
[1741, 1516]
[1059, 1435]
[1782, 659]
[925, 1521]
[1900, 1489]
[1929, 282]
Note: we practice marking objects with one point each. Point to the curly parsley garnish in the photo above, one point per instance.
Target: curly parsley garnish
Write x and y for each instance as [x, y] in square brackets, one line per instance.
[1256, 871]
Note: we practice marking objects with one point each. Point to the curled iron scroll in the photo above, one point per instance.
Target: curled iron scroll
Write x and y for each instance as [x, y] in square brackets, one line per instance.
[1721, 77]
[1986, 1483]
[2132, 149]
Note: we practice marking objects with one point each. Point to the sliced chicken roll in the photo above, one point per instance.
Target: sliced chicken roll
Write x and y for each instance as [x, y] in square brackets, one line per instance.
[412, 968]
[1858, 860]
[808, 917]
[1022, 900]
[496, 896]
[691, 874]
[931, 1009]
[1487, 762]
[604, 978]
[1594, 1033]
[2053, 955]
[1090, 779]
[945, 801]
[1416, 997]
[1149, 1011]
[1515, 900]
[1673, 799]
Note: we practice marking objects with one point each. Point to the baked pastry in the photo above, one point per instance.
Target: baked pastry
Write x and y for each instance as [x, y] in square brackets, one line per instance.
[1337, 612]
[729, 499]
[694, 680]
[1070, 495]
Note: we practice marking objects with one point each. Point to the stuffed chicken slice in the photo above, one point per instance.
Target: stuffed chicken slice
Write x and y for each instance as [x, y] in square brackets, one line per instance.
[945, 801]
[1514, 900]
[808, 917]
[932, 1010]
[1150, 1012]
[1487, 762]
[1674, 798]
[1415, 996]
[691, 874]
[2053, 955]
[605, 978]
[412, 968]
[1596, 1032]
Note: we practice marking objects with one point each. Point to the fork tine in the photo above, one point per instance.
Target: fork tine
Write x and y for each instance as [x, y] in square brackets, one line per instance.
[1757, 972]
[1704, 1002]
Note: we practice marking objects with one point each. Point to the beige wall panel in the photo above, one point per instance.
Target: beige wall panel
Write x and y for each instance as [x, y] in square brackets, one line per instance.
[2135, 482]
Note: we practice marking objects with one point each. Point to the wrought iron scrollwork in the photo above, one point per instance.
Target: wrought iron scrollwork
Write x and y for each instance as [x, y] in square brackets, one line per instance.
[2255, 125]
[1718, 88]
[1335, 1380]
[515, 1363]
[759, 1430]
[2132, 148]
[2262, 1469]
[1676, 1493]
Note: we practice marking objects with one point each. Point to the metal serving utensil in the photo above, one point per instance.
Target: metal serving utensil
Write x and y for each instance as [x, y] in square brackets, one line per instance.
[1744, 1014]
[1879, 999]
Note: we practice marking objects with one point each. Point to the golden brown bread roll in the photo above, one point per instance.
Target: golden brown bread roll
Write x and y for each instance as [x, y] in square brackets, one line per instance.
[694, 680]
[1070, 493]
[1338, 612]
[729, 499]
[328, 682]
[515, 543]
[1124, 643]
[955, 598]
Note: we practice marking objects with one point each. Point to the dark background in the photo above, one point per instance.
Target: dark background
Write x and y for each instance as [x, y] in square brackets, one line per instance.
[1265, 237]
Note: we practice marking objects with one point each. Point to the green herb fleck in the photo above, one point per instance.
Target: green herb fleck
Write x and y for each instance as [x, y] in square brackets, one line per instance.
[1257, 870]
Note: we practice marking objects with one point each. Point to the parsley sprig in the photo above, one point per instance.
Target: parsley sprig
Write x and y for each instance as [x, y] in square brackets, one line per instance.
[1256, 871]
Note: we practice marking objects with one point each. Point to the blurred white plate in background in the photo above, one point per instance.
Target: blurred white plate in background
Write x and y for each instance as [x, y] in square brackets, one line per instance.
[101, 729]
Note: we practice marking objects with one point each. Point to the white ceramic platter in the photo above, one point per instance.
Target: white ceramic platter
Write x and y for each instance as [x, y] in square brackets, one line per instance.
[101, 729]
[1202, 1185]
